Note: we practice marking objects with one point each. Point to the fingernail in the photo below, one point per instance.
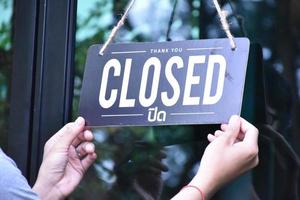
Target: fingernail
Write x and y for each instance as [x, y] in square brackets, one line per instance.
[233, 118]
[88, 135]
[79, 121]
[94, 155]
[90, 147]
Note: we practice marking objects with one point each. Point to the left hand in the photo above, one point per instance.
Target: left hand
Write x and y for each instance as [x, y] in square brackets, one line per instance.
[67, 156]
[232, 151]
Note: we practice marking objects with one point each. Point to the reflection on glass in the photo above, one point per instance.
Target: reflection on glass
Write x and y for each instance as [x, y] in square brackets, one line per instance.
[155, 162]
[6, 9]
[133, 162]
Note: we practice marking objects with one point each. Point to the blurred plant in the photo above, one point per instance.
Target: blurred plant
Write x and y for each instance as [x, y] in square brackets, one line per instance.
[6, 9]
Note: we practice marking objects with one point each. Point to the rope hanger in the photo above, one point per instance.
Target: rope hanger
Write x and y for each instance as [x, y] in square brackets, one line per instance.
[116, 28]
[223, 18]
[222, 15]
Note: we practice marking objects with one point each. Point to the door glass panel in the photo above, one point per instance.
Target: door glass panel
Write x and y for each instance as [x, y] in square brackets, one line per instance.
[144, 162]
[130, 163]
[6, 10]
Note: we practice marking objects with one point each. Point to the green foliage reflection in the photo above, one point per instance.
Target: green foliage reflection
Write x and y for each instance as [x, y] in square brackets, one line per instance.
[120, 171]
[6, 8]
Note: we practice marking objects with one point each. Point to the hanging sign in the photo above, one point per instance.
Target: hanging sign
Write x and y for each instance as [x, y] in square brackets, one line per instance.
[166, 83]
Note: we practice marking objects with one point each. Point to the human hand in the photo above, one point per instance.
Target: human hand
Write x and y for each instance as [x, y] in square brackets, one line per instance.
[142, 170]
[232, 151]
[67, 156]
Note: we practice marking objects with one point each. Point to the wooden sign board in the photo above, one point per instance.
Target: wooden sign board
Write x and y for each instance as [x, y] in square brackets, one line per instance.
[166, 83]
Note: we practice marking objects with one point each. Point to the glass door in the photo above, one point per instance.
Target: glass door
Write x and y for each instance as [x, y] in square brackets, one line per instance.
[134, 162]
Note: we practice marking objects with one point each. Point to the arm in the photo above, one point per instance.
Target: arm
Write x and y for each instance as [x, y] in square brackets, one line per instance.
[67, 156]
[13, 185]
[232, 151]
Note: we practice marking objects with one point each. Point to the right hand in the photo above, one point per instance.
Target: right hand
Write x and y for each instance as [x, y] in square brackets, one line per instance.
[142, 170]
[232, 151]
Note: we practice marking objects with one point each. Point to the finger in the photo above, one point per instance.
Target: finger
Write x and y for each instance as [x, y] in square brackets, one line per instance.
[161, 155]
[157, 164]
[250, 132]
[233, 128]
[56, 138]
[211, 137]
[218, 133]
[85, 148]
[86, 135]
[69, 132]
[156, 153]
[87, 161]
[148, 169]
[241, 136]
[224, 127]
[245, 125]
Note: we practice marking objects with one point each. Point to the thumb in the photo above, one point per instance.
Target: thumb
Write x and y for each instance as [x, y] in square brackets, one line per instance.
[233, 128]
[250, 131]
[69, 132]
